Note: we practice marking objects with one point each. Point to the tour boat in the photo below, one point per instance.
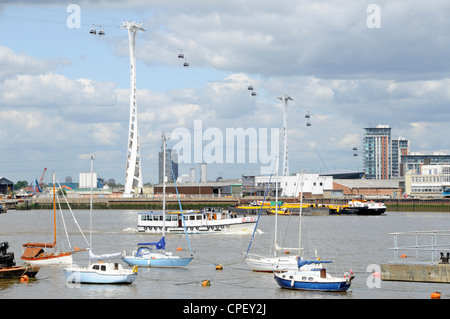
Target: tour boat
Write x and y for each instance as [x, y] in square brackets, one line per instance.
[208, 220]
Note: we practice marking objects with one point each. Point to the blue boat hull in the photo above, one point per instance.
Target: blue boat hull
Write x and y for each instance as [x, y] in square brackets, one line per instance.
[94, 278]
[157, 262]
[339, 286]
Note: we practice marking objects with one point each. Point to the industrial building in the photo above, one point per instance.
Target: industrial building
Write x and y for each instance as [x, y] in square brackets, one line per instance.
[429, 181]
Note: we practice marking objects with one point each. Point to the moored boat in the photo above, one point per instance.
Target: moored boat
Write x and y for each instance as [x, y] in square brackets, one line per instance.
[208, 220]
[361, 207]
[311, 275]
[100, 273]
[8, 268]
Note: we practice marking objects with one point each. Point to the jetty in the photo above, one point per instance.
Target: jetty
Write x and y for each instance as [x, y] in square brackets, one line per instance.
[419, 256]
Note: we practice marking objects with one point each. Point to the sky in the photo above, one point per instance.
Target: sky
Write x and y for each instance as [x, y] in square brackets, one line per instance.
[349, 64]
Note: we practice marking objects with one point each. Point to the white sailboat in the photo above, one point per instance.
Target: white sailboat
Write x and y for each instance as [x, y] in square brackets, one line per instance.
[276, 262]
[154, 254]
[100, 272]
[39, 254]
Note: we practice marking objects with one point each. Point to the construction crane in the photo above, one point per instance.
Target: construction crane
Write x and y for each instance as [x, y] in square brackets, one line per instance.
[38, 186]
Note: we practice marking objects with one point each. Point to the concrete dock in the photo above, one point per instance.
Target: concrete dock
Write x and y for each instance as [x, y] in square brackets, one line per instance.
[437, 273]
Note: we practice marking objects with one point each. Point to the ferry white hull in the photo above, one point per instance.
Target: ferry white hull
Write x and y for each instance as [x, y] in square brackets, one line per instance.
[203, 229]
[195, 223]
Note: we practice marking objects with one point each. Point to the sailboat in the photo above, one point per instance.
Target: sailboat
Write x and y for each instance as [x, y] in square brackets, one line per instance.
[37, 254]
[311, 274]
[276, 262]
[154, 254]
[99, 271]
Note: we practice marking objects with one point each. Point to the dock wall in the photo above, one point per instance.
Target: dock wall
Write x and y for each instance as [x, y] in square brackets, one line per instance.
[437, 273]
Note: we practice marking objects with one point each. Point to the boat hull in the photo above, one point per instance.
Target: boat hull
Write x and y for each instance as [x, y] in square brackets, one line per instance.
[87, 276]
[63, 259]
[13, 272]
[236, 228]
[287, 281]
[274, 264]
[157, 262]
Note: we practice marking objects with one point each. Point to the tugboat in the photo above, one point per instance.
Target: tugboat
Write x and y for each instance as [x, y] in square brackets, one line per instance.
[8, 268]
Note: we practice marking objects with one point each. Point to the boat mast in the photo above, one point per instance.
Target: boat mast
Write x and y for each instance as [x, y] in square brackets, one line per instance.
[300, 219]
[90, 203]
[54, 210]
[276, 213]
[163, 137]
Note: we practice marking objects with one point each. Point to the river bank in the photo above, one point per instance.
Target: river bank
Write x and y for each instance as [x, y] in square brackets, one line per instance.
[142, 203]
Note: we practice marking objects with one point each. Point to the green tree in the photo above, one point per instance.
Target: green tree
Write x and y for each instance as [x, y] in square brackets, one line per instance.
[20, 184]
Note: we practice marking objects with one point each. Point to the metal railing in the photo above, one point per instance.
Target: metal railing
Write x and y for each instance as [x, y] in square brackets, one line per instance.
[426, 246]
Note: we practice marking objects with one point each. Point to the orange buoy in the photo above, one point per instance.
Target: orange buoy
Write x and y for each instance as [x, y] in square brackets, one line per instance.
[219, 267]
[435, 295]
[179, 248]
[24, 278]
[206, 283]
[403, 256]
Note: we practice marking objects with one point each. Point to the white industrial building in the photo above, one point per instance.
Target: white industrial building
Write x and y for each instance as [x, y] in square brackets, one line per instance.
[430, 181]
[291, 185]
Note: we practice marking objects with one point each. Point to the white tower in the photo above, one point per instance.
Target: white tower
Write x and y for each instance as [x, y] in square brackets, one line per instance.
[285, 98]
[133, 173]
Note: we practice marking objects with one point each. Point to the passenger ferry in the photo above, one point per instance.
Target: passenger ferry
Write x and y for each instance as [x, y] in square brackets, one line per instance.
[208, 220]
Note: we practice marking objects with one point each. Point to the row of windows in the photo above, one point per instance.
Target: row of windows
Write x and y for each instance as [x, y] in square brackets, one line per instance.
[428, 189]
[431, 179]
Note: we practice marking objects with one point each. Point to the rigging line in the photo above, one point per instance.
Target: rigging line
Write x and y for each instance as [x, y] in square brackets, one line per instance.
[179, 202]
[73, 216]
[260, 209]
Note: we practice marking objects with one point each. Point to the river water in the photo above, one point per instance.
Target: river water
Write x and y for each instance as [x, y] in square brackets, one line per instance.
[352, 242]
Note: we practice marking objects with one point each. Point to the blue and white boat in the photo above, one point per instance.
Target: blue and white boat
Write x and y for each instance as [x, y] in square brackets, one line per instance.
[154, 255]
[98, 271]
[311, 275]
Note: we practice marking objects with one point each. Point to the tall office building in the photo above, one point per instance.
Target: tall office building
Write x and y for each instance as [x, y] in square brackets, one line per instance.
[382, 154]
[171, 163]
[400, 147]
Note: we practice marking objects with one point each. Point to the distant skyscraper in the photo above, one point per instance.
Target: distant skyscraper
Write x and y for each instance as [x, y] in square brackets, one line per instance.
[382, 154]
[400, 147]
[171, 164]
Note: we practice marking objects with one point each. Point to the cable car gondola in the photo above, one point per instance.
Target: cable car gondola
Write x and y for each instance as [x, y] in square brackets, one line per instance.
[92, 31]
[253, 93]
[101, 32]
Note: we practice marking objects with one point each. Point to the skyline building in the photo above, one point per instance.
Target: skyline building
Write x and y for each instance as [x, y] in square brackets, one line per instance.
[170, 164]
[382, 153]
